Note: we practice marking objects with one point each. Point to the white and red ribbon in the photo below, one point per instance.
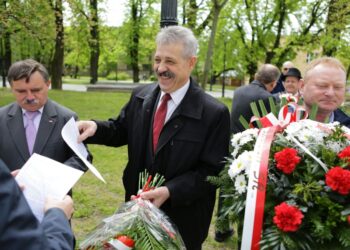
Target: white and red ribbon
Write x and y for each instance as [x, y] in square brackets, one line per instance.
[290, 112]
[255, 200]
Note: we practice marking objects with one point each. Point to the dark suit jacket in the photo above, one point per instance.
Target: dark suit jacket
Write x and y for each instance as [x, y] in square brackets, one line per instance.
[242, 98]
[49, 142]
[19, 229]
[279, 86]
[192, 146]
[342, 118]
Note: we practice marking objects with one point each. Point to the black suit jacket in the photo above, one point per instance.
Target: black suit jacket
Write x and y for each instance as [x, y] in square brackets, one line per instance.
[49, 142]
[242, 98]
[19, 229]
[191, 147]
[342, 118]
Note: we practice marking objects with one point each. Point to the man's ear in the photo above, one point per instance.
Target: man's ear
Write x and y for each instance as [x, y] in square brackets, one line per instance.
[302, 85]
[192, 62]
[48, 83]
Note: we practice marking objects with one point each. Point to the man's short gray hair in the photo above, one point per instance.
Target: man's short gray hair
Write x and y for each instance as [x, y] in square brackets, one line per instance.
[178, 34]
[24, 69]
[267, 73]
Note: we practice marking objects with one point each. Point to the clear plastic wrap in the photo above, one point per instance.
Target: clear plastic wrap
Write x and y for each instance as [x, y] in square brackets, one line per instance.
[137, 224]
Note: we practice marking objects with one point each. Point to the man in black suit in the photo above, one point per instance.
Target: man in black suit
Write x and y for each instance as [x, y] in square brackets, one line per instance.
[19, 229]
[191, 146]
[30, 83]
[259, 89]
[324, 84]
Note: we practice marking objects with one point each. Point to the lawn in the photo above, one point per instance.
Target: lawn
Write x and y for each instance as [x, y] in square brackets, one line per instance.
[94, 200]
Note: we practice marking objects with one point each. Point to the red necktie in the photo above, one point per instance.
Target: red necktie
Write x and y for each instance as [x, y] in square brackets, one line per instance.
[159, 120]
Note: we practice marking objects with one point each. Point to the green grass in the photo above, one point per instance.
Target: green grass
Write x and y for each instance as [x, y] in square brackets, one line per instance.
[94, 200]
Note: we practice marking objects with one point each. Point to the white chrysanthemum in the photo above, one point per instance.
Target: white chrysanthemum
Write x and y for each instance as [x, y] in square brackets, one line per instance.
[235, 152]
[244, 137]
[249, 161]
[334, 146]
[293, 128]
[241, 184]
[241, 163]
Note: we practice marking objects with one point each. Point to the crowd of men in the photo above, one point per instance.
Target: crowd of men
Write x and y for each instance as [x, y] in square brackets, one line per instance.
[171, 127]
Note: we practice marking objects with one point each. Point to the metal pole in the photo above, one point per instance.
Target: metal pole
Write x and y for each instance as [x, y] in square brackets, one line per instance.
[168, 14]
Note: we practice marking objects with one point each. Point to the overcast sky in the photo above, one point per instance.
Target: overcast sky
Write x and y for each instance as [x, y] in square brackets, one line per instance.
[115, 10]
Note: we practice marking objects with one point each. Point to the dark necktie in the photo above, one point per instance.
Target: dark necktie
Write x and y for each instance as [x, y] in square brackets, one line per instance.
[30, 129]
[159, 120]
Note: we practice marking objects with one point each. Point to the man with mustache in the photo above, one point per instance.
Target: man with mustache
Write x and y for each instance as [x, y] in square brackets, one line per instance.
[324, 84]
[175, 129]
[33, 123]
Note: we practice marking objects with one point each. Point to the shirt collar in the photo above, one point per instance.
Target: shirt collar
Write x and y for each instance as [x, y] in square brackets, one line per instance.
[40, 110]
[178, 94]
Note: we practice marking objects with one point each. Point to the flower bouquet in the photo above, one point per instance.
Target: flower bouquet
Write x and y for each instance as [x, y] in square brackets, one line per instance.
[303, 195]
[137, 224]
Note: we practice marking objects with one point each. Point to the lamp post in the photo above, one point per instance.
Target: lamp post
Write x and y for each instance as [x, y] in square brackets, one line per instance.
[168, 14]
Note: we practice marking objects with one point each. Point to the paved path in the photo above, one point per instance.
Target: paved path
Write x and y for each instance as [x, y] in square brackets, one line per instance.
[123, 87]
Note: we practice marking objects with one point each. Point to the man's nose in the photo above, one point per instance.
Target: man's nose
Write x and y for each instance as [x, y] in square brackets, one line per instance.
[161, 67]
[330, 91]
[30, 95]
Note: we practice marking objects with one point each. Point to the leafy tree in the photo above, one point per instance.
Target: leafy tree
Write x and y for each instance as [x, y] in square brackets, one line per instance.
[138, 21]
[89, 12]
[217, 7]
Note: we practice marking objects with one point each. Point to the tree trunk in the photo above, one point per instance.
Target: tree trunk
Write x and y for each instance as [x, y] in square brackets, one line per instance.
[57, 61]
[336, 22]
[7, 52]
[135, 37]
[208, 59]
[94, 42]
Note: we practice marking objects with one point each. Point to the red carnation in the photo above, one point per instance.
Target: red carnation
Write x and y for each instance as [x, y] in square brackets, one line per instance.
[286, 160]
[345, 154]
[287, 218]
[338, 179]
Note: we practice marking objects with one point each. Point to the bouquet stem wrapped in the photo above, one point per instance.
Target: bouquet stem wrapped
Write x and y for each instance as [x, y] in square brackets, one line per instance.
[137, 224]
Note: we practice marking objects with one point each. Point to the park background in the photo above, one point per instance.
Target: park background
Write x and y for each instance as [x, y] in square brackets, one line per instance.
[80, 49]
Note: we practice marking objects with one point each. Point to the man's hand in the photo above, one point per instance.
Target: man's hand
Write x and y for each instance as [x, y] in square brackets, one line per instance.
[66, 205]
[157, 196]
[14, 173]
[86, 129]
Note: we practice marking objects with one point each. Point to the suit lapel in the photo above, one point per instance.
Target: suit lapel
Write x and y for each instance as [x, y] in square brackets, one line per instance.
[191, 106]
[16, 130]
[46, 126]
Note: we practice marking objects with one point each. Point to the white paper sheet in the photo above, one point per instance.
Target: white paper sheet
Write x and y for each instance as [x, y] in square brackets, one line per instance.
[70, 135]
[43, 177]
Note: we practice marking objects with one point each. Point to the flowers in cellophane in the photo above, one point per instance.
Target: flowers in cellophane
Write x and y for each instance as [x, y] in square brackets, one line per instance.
[137, 224]
[307, 202]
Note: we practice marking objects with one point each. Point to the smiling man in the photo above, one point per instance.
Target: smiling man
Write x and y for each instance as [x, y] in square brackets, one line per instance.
[172, 128]
[324, 84]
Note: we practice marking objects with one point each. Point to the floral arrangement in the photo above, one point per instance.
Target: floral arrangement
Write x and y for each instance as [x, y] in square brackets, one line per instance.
[307, 202]
[137, 224]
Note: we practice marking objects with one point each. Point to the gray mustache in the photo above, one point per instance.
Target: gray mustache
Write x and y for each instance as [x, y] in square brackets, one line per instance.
[166, 74]
[33, 101]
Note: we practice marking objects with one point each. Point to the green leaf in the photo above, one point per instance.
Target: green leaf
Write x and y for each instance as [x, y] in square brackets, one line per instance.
[244, 122]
